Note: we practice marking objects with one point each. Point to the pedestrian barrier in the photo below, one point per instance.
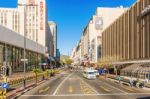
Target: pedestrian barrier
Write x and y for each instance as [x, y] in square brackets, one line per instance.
[20, 80]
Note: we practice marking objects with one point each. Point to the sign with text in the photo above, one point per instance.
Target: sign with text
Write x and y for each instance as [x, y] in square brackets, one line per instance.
[24, 60]
[41, 15]
[31, 1]
[98, 23]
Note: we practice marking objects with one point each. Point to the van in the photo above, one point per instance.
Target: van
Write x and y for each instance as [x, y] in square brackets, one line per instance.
[89, 74]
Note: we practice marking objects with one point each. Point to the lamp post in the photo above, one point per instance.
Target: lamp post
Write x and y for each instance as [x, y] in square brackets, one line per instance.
[24, 52]
[25, 34]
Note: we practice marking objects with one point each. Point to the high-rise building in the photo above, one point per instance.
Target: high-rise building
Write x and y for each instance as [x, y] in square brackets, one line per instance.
[28, 18]
[91, 41]
[127, 38]
[53, 30]
[92, 33]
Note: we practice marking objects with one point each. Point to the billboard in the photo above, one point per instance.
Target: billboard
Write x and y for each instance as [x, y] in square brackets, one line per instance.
[99, 23]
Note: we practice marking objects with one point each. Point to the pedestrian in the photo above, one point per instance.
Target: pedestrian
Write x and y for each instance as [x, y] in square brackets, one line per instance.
[131, 82]
[134, 83]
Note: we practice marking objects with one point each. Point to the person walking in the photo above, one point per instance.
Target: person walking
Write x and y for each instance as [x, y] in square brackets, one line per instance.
[131, 82]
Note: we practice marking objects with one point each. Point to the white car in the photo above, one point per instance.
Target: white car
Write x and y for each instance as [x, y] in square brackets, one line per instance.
[89, 74]
[96, 73]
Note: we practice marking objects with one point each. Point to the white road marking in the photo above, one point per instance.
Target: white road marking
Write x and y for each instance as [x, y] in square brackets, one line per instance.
[89, 86]
[113, 87]
[55, 92]
[113, 94]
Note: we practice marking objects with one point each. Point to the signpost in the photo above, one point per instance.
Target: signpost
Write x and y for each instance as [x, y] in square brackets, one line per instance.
[4, 87]
[3, 70]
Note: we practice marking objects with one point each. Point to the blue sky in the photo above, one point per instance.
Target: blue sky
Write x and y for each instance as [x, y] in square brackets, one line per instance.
[71, 17]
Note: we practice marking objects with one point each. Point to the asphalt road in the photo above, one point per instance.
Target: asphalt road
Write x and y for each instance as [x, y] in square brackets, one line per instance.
[72, 85]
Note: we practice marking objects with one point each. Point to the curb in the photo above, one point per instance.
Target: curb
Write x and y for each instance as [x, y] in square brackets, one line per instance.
[13, 93]
[18, 92]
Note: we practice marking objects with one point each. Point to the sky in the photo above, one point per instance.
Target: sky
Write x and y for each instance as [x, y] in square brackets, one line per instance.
[72, 17]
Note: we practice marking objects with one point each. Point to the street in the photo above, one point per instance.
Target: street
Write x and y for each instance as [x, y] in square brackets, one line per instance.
[72, 85]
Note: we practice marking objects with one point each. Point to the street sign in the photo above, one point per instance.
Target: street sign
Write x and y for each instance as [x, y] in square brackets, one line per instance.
[3, 70]
[99, 23]
[5, 86]
[24, 60]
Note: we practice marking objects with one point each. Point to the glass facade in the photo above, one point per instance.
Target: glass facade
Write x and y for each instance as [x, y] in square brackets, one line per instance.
[12, 55]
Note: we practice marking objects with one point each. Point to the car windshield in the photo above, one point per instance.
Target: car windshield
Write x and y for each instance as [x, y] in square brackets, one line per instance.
[91, 72]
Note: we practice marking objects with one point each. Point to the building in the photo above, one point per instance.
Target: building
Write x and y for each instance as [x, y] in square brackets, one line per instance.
[128, 36]
[49, 42]
[28, 19]
[91, 40]
[58, 55]
[127, 40]
[12, 48]
[53, 29]
[99, 22]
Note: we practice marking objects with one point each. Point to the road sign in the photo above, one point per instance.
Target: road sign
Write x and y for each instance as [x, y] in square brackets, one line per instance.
[5, 86]
[24, 60]
[3, 70]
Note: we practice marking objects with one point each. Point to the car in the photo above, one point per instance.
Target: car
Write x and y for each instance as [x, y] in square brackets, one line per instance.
[96, 73]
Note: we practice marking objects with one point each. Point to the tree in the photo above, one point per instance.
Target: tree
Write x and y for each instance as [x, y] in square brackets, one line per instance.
[68, 61]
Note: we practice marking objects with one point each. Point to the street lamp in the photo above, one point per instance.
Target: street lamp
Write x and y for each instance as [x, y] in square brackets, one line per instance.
[25, 34]
[24, 53]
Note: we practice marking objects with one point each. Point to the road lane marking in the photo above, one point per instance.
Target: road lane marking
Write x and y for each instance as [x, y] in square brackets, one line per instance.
[105, 89]
[85, 89]
[113, 94]
[44, 90]
[90, 87]
[112, 87]
[55, 92]
[128, 89]
[70, 90]
[90, 92]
